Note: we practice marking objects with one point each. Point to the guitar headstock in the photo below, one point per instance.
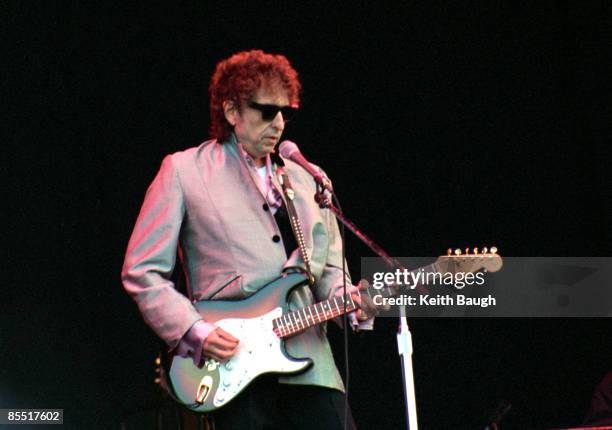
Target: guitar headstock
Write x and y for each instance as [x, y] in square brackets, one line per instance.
[464, 261]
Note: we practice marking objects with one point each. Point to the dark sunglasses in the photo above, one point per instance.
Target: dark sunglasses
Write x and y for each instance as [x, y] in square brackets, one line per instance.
[269, 112]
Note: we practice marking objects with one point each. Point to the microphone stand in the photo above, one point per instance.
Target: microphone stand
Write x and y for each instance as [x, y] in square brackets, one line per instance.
[404, 337]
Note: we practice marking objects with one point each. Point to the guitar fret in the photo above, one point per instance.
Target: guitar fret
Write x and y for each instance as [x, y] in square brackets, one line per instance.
[280, 327]
[299, 319]
[288, 320]
[353, 305]
[311, 323]
[293, 326]
[296, 325]
[310, 312]
[336, 303]
[346, 304]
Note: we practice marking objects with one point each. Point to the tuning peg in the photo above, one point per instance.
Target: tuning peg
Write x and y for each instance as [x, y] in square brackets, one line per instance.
[493, 250]
[449, 252]
[457, 251]
[157, 361]
[485, 250]
[476, 250]
[157, 381]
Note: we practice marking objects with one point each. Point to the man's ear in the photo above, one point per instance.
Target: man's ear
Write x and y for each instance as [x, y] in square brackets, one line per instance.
[230, 111]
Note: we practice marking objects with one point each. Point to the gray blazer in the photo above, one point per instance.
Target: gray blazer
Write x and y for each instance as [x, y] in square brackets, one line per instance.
[205, 201]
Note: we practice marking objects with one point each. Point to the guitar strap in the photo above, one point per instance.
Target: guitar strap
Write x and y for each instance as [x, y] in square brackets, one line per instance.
[294, 220]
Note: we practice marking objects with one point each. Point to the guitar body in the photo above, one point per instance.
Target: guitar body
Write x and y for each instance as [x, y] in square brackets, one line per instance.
[260, 350]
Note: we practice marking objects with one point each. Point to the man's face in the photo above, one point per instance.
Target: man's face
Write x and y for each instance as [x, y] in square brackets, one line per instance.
[258, 136]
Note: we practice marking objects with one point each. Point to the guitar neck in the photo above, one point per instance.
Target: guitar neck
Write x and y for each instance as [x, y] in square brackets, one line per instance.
[297, 321]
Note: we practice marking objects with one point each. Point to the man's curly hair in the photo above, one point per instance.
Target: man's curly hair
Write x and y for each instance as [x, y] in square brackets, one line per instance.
[239, 76]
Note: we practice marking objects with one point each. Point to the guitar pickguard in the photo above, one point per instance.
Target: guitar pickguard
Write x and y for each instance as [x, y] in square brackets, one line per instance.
[259, 352]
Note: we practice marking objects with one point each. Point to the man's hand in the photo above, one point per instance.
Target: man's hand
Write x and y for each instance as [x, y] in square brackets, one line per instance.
[219, 345]
[367, 308]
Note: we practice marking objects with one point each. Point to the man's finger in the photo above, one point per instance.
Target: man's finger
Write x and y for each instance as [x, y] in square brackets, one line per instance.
[363, 285]
[226, 335]
[221, 343]
[218, 355]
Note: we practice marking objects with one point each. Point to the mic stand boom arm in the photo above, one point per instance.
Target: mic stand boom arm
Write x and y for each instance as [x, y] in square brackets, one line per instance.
[404, 338]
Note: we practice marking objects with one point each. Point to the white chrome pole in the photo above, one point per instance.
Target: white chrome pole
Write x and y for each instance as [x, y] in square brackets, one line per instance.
[404, 346]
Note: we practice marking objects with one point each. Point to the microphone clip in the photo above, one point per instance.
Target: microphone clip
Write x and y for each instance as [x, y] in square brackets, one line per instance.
[323, 197]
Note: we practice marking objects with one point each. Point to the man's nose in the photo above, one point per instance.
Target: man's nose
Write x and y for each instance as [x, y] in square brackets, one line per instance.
[278, 121]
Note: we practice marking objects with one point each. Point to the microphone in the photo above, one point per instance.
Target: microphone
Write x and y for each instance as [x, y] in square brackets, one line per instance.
[290, 150]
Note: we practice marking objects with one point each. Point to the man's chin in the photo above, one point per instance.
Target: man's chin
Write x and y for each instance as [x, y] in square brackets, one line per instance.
[268, 145]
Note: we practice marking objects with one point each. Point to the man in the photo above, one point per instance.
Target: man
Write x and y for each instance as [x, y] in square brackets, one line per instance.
[221, 206]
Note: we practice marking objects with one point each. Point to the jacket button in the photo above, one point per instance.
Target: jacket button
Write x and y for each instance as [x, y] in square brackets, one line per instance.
[266, 207]
[276, 238]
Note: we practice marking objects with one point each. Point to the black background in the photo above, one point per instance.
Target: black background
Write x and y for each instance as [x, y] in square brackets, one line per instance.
[441, 124]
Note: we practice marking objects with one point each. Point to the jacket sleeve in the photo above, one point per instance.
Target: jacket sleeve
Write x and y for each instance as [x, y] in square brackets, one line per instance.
[151, 256]
[330, 284]
[331, 278]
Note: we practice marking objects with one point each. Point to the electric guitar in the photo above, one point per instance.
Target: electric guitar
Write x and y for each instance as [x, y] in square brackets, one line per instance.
[262, 322]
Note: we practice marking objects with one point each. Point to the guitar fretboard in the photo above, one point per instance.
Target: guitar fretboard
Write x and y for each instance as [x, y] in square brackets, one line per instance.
[297, 321]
